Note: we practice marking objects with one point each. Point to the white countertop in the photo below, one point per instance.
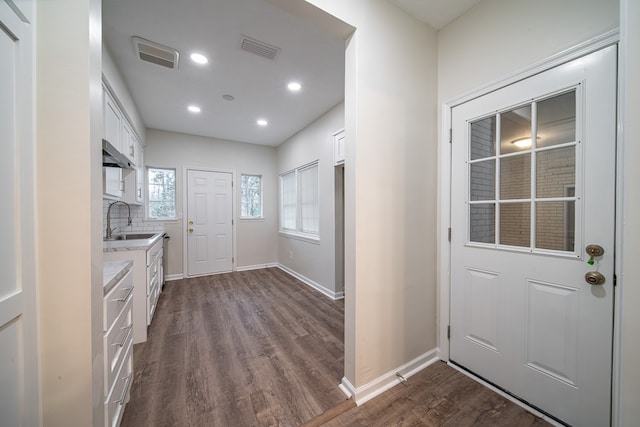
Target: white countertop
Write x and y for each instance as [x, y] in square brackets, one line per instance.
[113, 271]
[131, 245]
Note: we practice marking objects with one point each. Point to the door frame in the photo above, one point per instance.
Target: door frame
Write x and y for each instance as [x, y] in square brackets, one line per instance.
[234, 223]
[443, 275]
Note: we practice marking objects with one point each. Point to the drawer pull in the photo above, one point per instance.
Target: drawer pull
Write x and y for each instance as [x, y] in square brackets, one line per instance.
[126, 296]
[123, 396]
[126, 336]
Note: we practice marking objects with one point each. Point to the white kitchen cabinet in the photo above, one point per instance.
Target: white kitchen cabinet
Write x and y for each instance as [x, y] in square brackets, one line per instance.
[112, 184]
[147, 278]
[111, 120]
[338, 147]
[134, 180]
[127, 142]
[118, 347]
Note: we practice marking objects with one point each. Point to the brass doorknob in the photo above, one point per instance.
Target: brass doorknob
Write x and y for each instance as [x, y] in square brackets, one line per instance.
[594, 278]
[191, 230]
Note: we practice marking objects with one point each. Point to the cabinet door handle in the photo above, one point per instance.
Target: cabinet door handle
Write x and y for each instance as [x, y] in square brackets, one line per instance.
[126, 296]
[123, 396]
[126, 336]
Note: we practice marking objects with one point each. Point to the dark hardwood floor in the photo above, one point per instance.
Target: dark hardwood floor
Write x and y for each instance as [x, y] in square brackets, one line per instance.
[260, 348]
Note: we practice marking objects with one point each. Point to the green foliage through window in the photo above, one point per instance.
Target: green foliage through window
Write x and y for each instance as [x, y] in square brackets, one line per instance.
[162, 193]
[251, 196]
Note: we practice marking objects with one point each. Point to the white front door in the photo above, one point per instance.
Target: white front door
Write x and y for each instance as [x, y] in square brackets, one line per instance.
[209, 222]
[18, 318]
[533, 184]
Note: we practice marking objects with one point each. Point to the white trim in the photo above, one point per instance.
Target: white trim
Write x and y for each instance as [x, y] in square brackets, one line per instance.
[347, 388]
[444, 198]
[386, 381]
[257, 266]
[318, 287]
[305, 237]
[507, 396]
[172, 277]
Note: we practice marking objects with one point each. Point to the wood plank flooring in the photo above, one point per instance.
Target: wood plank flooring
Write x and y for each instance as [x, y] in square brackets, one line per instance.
[256, 348]
[260, 348]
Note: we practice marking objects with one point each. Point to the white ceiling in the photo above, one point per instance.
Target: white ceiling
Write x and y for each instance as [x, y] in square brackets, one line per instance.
[309, 55]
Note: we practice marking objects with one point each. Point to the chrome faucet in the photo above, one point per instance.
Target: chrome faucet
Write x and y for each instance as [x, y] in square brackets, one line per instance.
[109, 230]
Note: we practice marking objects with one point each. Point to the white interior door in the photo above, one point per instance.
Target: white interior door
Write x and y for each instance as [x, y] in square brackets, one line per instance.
[18, 320]
[209, 222]
[533, 183]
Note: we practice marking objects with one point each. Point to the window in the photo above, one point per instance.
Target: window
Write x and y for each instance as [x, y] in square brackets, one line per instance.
[251, 196]
[299, 206]
[162, 193]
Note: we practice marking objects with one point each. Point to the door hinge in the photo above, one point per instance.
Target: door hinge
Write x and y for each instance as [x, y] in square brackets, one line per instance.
[233, 260]
[232, 222]
[615, 280]
[449, 234]
[448, 332]
[450, 135]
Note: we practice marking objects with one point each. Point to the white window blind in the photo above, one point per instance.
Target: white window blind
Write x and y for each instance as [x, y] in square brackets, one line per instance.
[289, 202]
[309, 209]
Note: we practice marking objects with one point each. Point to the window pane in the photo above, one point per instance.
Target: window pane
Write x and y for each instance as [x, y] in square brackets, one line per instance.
[288, 207]
[310, 216]
[555, 225]
[557, 120]
[162, 193]
[483, 138]
[515, 177]
[483, 180]
[515, 130]
[556, 171]
[515, 224]
[482, 223]
[251, 196]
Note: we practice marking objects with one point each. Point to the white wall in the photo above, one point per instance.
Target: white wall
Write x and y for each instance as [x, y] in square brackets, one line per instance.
[69, 209]
[630, 231]
[256, 242]
[390, 188]
[316, 261]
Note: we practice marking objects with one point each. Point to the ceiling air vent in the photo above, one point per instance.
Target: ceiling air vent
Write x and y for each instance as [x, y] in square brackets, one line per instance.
[155, 53]
[259, 48]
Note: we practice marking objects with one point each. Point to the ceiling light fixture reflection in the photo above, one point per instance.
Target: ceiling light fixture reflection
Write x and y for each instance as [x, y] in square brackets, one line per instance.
[193, 108]
[294, 86]
[522, 142]
[262, 122]
[199, 58]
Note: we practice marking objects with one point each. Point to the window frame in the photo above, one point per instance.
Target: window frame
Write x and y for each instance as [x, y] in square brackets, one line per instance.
[148, 200]
[261, 191]
[297, 232]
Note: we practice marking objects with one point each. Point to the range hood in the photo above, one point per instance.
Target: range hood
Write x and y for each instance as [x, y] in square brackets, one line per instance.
[112, 157]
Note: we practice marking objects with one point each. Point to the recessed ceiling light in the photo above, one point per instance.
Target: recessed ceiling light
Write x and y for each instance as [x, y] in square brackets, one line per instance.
[262, 122]
[199, 58]
[228, 97]
[294, 86]
[193, 108]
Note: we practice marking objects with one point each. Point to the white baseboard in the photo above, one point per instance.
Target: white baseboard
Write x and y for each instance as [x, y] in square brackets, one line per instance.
[170, 277]
[318, 287]
[347, 388]
[257, 266]
[390, 379]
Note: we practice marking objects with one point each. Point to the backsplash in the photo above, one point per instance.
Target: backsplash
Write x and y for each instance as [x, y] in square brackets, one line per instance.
[119, 216]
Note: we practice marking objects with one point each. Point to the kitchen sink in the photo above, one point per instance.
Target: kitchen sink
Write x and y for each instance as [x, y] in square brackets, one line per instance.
[133, 236]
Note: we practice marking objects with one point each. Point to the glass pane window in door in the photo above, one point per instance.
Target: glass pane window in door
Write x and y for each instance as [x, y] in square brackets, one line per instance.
[482, 185]
[557, 120]
[482, 223]
[556, 171]
[515, 224]
[515, 177]
[515, 130]
[555, 225]
[483, 138]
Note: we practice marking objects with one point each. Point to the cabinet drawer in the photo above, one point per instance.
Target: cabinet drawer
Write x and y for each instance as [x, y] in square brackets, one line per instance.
[152, 298]
[119, 396]
[116, 299]
[154, 252]
[116, 342]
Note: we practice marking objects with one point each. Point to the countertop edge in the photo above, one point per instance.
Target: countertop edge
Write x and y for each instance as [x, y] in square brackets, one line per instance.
[113, 271]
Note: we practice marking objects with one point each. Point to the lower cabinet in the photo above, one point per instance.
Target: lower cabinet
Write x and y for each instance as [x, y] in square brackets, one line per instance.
[118, 348]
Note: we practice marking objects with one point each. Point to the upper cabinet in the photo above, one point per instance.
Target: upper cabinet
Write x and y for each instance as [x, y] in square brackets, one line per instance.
[338, 147]
[112, 120]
